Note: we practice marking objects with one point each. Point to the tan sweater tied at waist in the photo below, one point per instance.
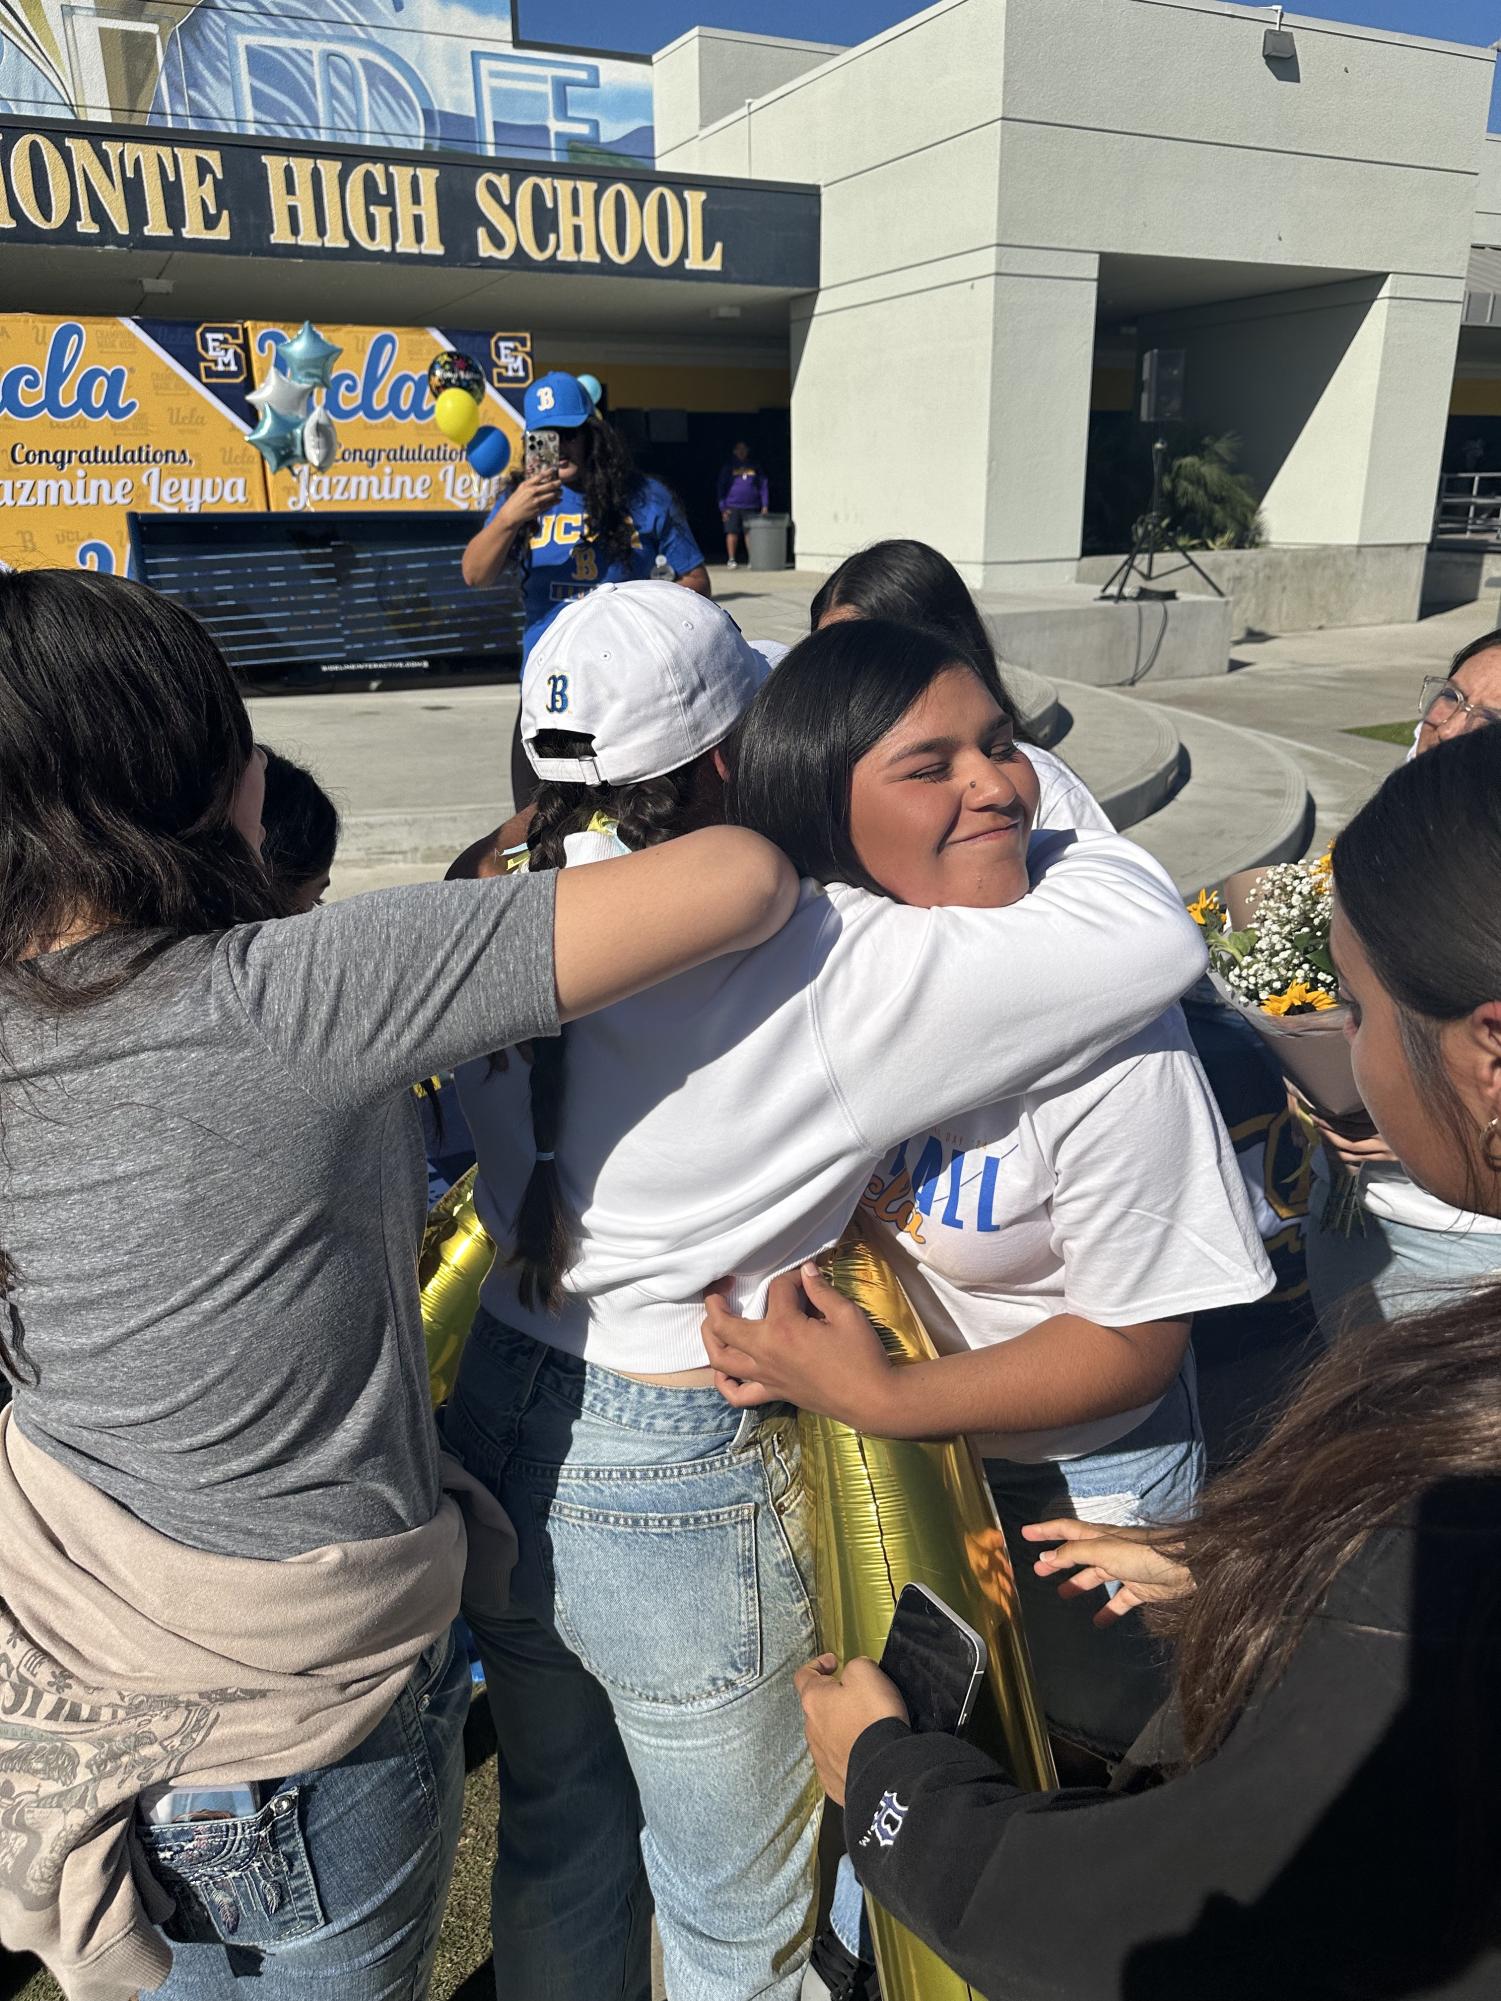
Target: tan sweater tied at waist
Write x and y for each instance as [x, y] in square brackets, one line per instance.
[129, 1661]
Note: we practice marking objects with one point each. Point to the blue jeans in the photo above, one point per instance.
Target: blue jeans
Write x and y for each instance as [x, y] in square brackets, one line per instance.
[1388, 1269]
[334, 1889]
[650, 1739]
[1097, 1686]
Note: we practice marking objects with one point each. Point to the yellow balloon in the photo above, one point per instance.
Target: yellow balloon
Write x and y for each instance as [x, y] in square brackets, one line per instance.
[455, 1261]
[456, 414]
[890, 1512]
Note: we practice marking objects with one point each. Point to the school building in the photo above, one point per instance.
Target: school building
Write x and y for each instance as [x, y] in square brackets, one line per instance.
[920, 274]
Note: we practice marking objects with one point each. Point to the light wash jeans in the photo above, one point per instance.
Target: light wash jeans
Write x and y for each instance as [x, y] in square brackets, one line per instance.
[334, 1889]
[1387, 1269]
[650, 1739]
[1098, 1686]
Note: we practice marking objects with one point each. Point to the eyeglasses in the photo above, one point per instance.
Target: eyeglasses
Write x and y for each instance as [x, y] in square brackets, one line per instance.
[1440, 700]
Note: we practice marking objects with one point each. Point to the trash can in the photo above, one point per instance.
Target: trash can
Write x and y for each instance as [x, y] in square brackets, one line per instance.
[766, 541]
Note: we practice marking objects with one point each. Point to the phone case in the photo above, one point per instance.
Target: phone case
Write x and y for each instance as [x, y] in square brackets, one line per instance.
[541, 452]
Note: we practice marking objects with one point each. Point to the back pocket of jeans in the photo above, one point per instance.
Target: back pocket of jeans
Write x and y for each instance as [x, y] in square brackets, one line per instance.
[660, 1608]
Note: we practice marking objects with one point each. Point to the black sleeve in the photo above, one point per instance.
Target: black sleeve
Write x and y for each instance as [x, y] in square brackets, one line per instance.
[1325, 1845]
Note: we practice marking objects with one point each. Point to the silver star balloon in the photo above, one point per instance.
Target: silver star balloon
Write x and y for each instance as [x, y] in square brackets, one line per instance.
[280, 393]
[320, 441]
[308, 357]
[278, 439]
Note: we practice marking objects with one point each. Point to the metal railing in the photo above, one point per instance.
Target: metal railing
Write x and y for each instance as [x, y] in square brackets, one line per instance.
[1469, 503]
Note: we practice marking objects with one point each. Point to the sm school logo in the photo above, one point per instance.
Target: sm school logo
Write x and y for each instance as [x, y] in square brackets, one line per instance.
[60, 389]
[221, 353]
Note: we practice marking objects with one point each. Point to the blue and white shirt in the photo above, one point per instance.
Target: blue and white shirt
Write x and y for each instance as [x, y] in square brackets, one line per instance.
[561, 564]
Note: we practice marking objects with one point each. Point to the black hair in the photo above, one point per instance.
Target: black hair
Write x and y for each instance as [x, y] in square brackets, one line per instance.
[1486, 643]
[645, 814]
[123, 739]
[301, 823]
[832, 699]
[1410, 871]
[912, 583]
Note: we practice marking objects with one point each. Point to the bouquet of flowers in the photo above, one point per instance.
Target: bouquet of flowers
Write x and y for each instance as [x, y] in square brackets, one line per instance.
[1268, 939]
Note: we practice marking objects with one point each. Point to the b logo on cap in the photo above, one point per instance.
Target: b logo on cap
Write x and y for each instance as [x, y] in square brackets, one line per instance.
[545, 398]
[557, 694]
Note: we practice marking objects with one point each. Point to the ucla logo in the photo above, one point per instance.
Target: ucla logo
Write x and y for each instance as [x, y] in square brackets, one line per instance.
[379, 391]
[545, 398]
[887, 1824]
[557, 694]
[54, 390]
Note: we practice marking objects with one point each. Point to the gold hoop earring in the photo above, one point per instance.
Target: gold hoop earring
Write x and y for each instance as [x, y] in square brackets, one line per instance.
[1490, 1146]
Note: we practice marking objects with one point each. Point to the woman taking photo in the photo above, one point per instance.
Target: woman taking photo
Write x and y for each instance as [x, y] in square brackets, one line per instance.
[230, 1561]
[588, 519]
[1327, 1821]
[660, 1596]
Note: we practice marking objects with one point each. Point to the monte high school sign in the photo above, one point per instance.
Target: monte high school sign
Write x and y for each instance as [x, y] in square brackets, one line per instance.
[118, 188]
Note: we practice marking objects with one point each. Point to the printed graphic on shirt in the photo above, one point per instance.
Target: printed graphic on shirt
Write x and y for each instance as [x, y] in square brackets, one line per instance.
[945, 1185]
[887, 1824]
[563, 563]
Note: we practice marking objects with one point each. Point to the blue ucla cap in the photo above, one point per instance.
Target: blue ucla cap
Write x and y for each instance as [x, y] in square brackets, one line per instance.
[558, 402]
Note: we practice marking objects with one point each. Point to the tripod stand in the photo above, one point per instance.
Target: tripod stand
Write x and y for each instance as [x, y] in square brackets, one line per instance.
[1152, 538]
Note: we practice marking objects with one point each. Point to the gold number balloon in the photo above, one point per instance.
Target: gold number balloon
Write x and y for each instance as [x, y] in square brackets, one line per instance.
[455, 1261]
[891, 1512]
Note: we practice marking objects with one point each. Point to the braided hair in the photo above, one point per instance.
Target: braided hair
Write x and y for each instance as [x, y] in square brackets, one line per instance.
[645, 814]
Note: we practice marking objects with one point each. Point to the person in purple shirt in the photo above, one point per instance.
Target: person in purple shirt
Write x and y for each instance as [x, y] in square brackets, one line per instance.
[743, 488]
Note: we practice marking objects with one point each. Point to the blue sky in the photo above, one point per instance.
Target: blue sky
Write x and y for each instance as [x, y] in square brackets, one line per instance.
[650, 24]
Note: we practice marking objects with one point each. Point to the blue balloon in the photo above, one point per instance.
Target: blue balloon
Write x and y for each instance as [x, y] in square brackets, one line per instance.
[308, 357]
[278, 439]
[593, 388]
[489, 451]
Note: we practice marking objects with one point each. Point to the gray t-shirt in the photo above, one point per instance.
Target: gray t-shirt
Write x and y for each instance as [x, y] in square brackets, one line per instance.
[212, 1185]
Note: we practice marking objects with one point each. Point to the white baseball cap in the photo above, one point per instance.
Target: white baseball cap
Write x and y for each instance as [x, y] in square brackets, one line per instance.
[654, 673]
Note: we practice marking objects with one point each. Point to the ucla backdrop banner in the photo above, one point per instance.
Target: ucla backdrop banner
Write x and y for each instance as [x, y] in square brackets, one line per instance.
[102, 418]
[392, 456]
[60, 185]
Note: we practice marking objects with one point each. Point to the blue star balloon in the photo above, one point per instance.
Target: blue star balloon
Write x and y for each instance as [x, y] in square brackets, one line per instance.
[308, 357]
[278, 439]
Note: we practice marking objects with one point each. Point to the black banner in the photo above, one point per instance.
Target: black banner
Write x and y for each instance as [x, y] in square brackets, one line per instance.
[91, 185]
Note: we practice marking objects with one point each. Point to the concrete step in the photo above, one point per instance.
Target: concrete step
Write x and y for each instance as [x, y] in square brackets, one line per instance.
[1127, 753]
[1244, 802]
[1072, 633]
[1035, 700]
[1340, 786]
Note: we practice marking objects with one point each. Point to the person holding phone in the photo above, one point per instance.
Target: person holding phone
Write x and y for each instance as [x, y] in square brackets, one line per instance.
[589, 518]
[1318, 1812]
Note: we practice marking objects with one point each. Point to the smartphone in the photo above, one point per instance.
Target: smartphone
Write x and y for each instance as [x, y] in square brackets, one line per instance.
[541, 452]
[161, 1804]
[935, 1659]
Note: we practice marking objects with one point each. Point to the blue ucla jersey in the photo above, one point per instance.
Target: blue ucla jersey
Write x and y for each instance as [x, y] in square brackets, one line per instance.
[561, 565]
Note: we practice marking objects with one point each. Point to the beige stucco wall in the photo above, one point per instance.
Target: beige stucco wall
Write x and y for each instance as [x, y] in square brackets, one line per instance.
[978, 159]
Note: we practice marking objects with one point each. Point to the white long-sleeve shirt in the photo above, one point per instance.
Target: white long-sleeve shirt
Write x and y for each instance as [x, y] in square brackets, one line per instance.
[727, 1122]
